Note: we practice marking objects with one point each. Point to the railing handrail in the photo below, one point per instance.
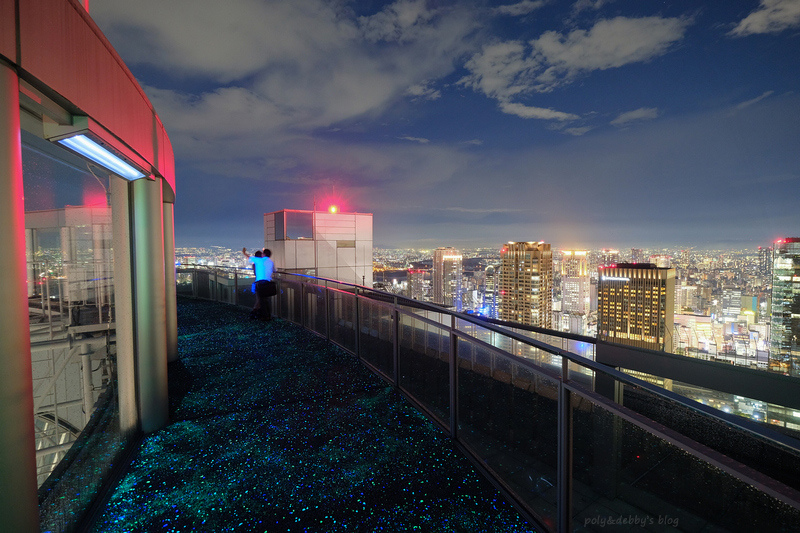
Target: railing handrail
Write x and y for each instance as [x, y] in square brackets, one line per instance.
[400, 301]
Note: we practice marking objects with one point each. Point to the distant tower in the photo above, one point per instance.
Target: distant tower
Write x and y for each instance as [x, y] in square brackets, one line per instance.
[447, 277]
[328, 244]
[526, 284]
[608, 257]
[785, 328]
[490, 292]
[416, 283]
[765, 262]
[637, 255]
[575, 286]
[661, 261]
[636, 306]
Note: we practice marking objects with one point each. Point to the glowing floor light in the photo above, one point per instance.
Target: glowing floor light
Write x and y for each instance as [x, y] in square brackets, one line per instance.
[91, 150]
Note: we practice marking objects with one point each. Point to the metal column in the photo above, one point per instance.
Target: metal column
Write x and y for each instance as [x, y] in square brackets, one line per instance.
[150, 311]
[123, 305]
[18, 501]
[170, 282]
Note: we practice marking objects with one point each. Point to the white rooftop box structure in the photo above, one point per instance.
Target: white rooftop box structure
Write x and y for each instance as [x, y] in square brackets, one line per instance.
[327, 244]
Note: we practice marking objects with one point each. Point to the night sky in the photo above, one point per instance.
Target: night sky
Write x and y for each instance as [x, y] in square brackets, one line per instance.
[467, 123]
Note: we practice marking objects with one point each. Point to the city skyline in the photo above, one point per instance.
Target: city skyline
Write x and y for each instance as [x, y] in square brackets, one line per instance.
[587, 124]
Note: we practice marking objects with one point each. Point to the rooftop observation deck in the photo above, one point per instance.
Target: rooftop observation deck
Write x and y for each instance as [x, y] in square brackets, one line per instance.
[357, 410]
[275, 429]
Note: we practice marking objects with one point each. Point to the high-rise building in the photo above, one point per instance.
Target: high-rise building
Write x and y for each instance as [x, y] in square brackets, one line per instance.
[637, 255]
[785, 321]
[574, 282]
[608, 257]
[328, 244]
[447, 267]
[575, 291]
[765, 262]
[661, 260]
[490, 292]
[526, 284]
[731, 302]
[636, 306]
[416, 283]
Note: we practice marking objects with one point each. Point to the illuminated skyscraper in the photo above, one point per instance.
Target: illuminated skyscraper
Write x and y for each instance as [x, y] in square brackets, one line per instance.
[416, 283]
[608, 257]
[785, 329]
[661, 260]
[574, 282]
[490, 292]
[637, 255]
[526, 284]
[765, 262]
[636, 306]
[447, 277]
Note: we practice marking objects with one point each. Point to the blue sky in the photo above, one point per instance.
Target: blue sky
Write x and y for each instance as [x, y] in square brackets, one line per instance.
[589, 123]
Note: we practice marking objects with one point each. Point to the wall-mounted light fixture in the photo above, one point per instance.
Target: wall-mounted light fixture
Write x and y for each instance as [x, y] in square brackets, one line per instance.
[88, 139]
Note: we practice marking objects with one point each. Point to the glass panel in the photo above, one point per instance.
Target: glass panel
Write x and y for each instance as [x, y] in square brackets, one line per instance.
[424, 365]
[185, 282]
[202, 284]
[769, 457]
[343, 319]
[289, 295]
[623, 472]
[299, 225]
[247, 295]
[70, 287]
[315, 308]
[507, 416]
[375, 336]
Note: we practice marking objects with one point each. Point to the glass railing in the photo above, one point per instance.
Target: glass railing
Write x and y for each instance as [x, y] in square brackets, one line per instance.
[577, 445]
[74, 369]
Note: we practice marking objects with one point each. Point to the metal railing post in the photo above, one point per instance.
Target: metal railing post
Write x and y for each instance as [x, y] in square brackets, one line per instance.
[327, 312]
[235, 288]
[302, 304]
[453, 379]
[564, 479]
[396, 345]
[358, 326]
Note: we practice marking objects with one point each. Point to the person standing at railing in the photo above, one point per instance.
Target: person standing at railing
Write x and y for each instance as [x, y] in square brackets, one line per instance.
[265, 287]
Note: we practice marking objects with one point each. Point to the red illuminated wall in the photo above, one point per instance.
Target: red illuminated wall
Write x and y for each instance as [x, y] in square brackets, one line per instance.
[61, 48]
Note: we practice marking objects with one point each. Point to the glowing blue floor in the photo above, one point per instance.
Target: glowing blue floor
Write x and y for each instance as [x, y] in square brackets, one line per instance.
[274, 429]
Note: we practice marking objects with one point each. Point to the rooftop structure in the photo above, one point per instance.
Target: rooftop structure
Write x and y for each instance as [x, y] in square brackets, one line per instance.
[329, 244]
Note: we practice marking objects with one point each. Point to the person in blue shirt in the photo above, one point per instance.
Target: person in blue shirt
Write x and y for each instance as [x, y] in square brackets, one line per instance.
[265, 287]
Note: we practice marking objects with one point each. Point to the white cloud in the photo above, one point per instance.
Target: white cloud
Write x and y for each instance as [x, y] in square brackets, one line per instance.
[772, 16]
[582, 5]
[637, 115]
[610, 43]
[508, 70]
[526, 111]
[473, 142]
[577, 132]
[399, 22]
[755, 100]
[501, 70]
[521, 8]
[424, 91]
[282, 67]
[420, 140]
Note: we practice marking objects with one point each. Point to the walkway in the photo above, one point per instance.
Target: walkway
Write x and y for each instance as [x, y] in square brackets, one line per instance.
[274, 429]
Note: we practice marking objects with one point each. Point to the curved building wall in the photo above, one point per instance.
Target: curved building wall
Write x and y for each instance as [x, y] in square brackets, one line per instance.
[84, 347]
[62, 52]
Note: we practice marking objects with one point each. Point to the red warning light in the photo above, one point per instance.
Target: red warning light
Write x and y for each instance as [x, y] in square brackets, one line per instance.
[333, 209]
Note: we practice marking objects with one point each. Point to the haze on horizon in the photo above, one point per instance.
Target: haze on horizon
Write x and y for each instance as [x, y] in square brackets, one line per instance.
[596, 123]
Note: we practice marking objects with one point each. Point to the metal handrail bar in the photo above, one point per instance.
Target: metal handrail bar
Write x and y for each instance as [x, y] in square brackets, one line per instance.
[740, 422]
